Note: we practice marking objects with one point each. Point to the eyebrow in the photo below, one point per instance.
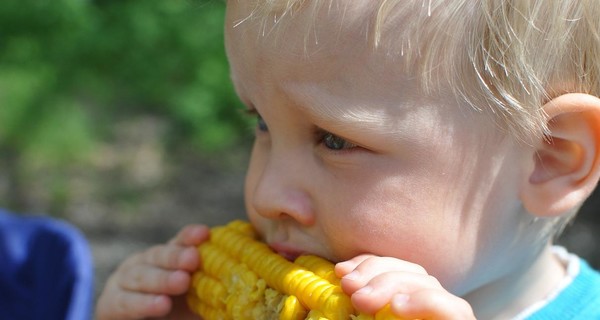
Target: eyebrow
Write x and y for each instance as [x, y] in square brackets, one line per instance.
[337, 111]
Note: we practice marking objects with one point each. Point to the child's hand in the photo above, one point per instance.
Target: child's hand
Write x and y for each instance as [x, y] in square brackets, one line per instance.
[153, 283]
[375, 281]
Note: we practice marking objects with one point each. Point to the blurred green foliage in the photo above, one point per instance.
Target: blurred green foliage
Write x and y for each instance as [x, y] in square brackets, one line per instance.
[70, 68]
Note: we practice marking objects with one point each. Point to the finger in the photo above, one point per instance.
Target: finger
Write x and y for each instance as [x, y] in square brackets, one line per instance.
[431, 304]
[150, 279]
[374, 266]
[380, 290]
[167, 256]
[191, 235]
[132, 305]
[345, 267]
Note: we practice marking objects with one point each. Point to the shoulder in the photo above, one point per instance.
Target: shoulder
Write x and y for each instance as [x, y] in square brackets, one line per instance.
[28, 239]
[588, 281]
[46, 270]
[586, 289]
[579, 300]
[26, 228]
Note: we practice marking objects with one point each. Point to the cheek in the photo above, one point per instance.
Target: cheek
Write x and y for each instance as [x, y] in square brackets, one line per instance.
[407, 230]
[412, 215]
[387, 217]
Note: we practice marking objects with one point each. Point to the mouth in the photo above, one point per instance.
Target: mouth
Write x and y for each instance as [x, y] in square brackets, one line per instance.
[287, 251]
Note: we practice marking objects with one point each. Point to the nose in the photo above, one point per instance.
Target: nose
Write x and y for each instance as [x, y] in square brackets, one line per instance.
[279, 188]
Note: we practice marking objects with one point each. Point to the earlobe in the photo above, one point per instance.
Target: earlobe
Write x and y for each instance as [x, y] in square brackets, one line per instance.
[567, 163]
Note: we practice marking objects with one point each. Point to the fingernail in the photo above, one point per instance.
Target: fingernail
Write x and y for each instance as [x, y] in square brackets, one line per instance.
[400, 299]
[158, 300]
[352, 275]
[177, 276]
[342, 264]
[364, 290]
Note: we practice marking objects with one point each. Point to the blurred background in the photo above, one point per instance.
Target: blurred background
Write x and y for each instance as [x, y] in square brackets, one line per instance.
[118, 116]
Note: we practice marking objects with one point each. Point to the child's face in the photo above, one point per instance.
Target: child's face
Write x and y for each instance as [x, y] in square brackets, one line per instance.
[351, 157]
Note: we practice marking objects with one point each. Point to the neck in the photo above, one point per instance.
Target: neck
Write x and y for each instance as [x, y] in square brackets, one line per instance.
[508, 296]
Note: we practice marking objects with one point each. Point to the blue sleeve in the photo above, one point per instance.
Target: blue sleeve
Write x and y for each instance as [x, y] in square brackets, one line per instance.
[46, 270]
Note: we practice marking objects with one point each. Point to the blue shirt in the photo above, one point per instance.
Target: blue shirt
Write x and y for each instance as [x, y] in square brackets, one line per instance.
[45, 269]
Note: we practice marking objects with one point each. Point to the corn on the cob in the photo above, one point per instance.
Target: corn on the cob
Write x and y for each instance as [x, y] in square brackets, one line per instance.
[242, 278]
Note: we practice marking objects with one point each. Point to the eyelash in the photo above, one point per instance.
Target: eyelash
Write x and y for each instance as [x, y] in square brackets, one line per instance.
[260, 124]
[329, 140]
[334, 142]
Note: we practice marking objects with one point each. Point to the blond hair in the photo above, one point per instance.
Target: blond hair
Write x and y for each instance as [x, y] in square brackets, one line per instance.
[504, 57]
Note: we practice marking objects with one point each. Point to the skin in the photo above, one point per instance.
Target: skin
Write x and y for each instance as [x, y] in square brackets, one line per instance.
[419, 198]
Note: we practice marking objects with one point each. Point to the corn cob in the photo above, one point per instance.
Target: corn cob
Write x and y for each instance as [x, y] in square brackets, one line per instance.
[242, 278]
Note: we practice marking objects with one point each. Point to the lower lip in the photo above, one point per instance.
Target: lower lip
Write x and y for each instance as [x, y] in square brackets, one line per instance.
[286, 252]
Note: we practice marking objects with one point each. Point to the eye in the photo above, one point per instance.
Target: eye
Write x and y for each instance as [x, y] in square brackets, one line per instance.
[333, 142]
[261, 125]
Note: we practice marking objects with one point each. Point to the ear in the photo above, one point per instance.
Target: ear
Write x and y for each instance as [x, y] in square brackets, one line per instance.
[567, 162]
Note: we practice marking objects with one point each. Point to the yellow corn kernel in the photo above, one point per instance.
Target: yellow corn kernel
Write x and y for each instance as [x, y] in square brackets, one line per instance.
[292, 309]
[212, 290]
[315, 315]
[384, 314]
[242, 278]
[319, 266]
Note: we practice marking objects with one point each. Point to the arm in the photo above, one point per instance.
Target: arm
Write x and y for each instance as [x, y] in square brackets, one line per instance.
[153, 283]
[372, 282]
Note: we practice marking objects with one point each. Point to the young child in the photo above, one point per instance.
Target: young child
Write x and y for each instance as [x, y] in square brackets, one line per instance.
[431, 148]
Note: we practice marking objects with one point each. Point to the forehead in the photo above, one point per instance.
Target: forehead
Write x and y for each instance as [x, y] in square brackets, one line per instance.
[320, 23]
[339, 36]
[400, 25]
[304, 35]
[423, 37]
